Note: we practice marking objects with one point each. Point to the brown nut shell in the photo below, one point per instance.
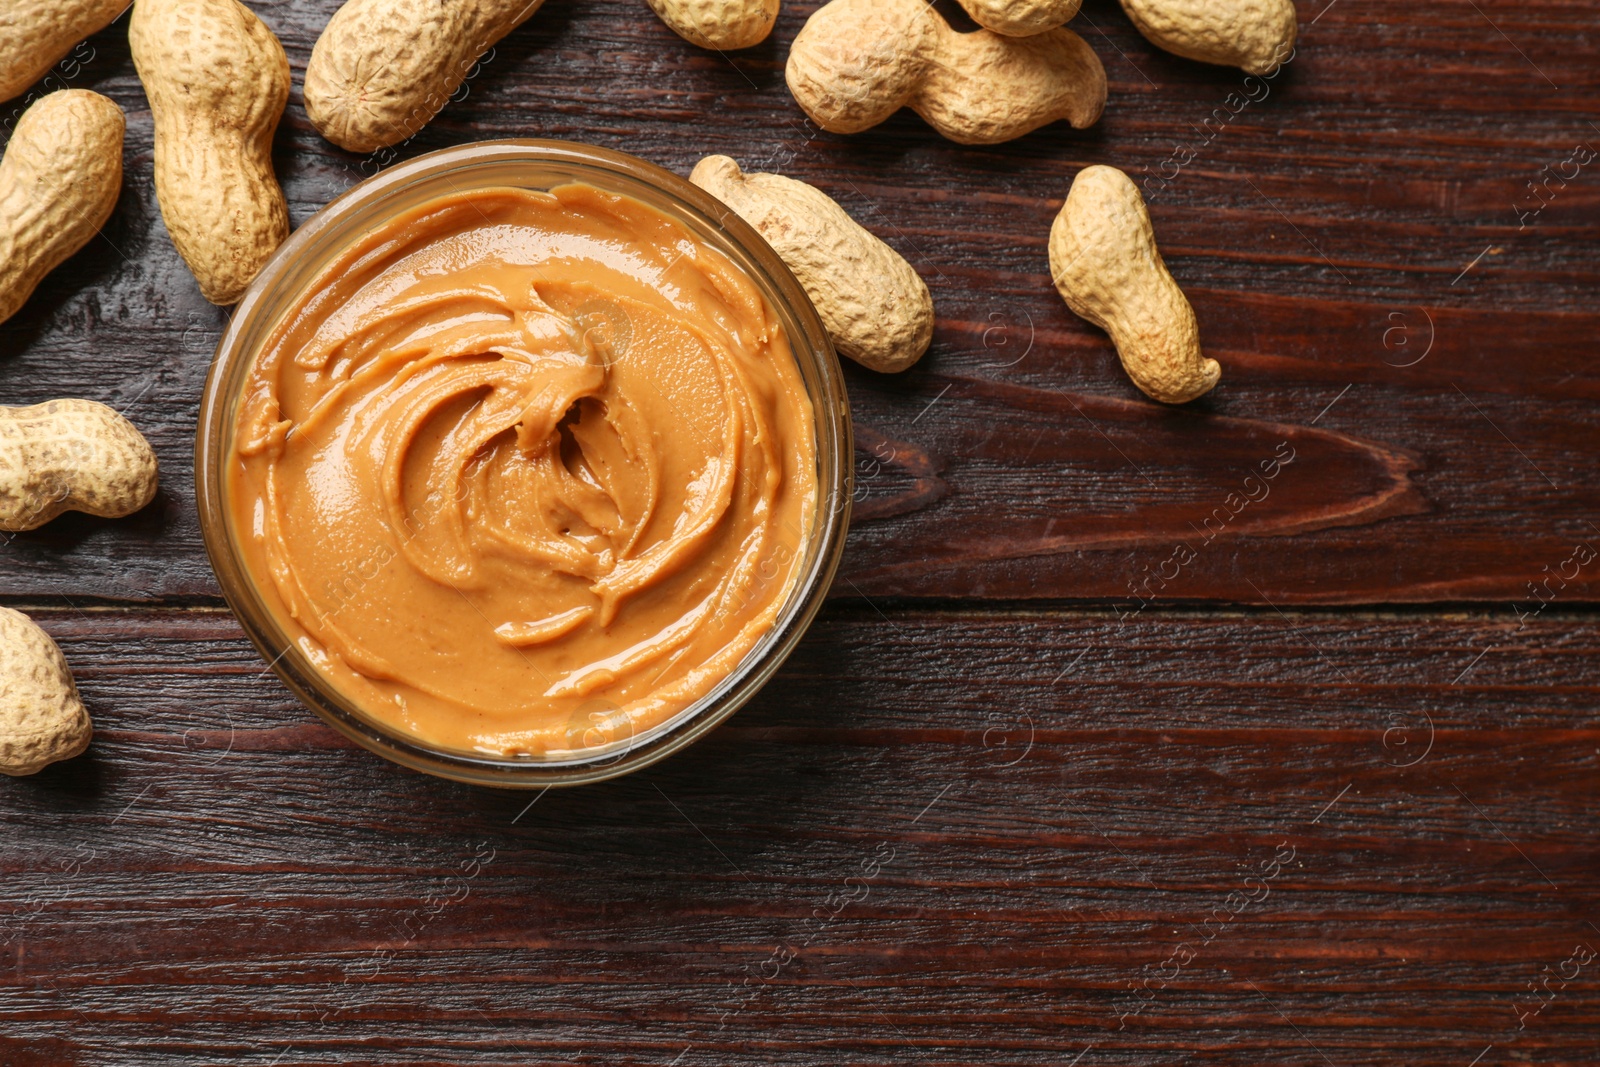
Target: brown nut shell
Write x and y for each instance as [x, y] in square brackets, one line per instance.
[42, 719]
[218, 81]
[856, 62]
[1255, 35]
[983, 88]
[874, 305]
[59, 181]
[35, 35]
[1106, 266]
[71, 455]
[1021, 18]
[723, 25]
[383, 69]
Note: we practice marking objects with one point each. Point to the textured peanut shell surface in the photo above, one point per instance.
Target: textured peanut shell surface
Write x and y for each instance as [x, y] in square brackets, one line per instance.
[42, 720]
[719, 24]
[218, 81]
[1255, 35]
[382, 69]
[1106, 266]
[983, 88]
[71, 455]
[1021, 18]
[856, 62]
[59, 181]
[874, 305]
[35, 35]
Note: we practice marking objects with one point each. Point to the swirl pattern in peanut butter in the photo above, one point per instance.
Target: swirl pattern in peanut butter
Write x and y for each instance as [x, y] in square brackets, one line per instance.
[516, 456]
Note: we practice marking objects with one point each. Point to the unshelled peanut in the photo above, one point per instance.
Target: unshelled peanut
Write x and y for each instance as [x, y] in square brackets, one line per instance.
[71, 455]
[1021, 18]
[35, 35]
[42, 719]
[1106, 266]
[218, 81]
[856, 62]
[723, 25]
[59, 181]
[382, 69]
[1256, 35]
[873, 304]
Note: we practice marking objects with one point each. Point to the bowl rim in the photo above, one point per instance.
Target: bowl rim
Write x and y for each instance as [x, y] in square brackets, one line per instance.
[812, 351]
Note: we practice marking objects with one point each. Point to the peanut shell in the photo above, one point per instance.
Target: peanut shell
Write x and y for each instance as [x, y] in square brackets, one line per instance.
[874, 305]
[1021, 18]
[218, 81]
[1106, 266]
[71, 455]
[59, 181]
[42, 719]
[856, 62]
[35, 35]
[382, 69]
[723, 25]
[1255, 35]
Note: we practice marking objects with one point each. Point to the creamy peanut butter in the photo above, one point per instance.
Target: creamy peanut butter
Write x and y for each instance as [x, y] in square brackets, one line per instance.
[525, 472]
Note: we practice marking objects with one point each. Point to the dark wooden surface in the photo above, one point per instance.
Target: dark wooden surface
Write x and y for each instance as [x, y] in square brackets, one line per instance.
[985, 814]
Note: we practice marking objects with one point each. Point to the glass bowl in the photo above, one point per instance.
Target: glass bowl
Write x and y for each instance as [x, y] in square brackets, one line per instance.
[538, 165]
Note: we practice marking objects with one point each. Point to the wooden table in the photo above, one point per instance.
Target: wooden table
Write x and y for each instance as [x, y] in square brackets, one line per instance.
[1323, 794]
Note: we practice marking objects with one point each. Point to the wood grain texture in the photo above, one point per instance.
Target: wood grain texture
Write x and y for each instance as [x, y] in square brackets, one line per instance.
[1362, 235]
[954, 829]
[971, 832]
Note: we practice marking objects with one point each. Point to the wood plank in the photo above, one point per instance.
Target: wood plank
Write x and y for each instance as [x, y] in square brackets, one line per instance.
[966, 836]
[1380, 186]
